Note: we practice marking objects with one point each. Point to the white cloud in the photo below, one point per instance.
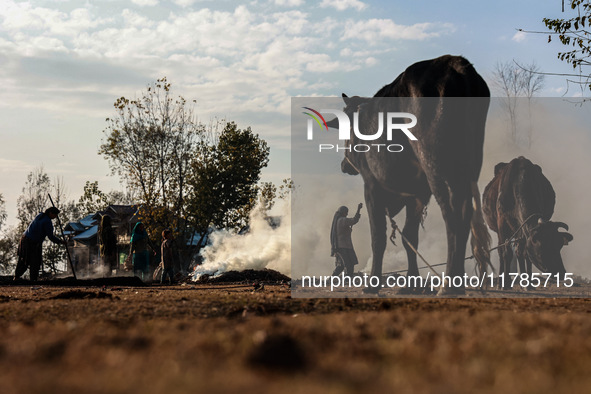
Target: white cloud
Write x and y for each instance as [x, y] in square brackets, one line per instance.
[189, 3]
[184, 3]
[371, 61]
[48, 44]
[342, 5]
[373, 30]
[557, 91]
[133, 19]
[289, 3]
[11, 166]
[241, 59]
[145, 3]
[22, 17]
[519, 36]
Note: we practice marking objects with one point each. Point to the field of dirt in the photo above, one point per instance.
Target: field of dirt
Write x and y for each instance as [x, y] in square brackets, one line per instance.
[229, 337]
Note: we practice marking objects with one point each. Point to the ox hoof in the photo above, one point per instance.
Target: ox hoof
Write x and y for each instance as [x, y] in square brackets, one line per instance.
[451, 291]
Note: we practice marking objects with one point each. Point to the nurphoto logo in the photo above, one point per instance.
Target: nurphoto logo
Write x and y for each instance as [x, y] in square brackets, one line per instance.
[393, 120]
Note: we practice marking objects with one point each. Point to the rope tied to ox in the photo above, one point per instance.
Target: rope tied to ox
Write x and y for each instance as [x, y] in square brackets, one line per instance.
[395, 228]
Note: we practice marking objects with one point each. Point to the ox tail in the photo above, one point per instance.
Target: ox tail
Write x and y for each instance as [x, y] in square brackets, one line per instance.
[480, 239]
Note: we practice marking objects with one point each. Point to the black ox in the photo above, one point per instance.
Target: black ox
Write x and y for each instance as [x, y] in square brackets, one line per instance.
[445, 160]
[519, 202]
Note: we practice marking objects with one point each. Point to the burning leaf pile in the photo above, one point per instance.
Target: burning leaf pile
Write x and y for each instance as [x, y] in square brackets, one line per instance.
[265, 275]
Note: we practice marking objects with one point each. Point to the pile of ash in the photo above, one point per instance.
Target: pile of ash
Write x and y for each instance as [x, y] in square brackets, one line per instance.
[246, 276]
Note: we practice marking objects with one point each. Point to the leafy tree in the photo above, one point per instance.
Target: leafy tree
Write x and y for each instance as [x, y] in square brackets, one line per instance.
[573, 32]
[93, 199]
[267, 194]
[33, 198]
[8, 247]
[150, 144]
[286, 189]
[2, 211]
[223, 183]
[117, 197]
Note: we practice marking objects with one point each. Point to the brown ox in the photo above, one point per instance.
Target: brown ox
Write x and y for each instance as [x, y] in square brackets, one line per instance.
[519, 202]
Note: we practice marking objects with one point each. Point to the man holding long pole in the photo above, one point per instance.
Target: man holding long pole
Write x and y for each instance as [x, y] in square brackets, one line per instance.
[30, 246]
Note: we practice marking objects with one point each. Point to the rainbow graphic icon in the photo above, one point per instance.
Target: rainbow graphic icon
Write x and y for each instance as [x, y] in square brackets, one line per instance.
[315, 118]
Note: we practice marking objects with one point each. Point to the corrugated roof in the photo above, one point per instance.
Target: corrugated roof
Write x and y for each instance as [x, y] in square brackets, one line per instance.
[88, 221]
[87, 235]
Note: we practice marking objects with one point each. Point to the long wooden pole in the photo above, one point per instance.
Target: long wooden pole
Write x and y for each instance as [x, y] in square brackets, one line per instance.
[59, 222]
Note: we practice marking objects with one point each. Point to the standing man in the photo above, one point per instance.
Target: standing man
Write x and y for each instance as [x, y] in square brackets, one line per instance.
[340, 240]
[140, 242]
[168, 252]
[107, 240]
[30, 247]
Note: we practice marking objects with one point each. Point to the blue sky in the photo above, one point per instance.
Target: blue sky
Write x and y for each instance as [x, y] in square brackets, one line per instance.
[63, 64]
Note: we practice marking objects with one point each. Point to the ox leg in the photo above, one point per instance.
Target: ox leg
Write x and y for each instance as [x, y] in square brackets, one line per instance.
[505, 253]
[376, 210]
[524, 263]
[456, 208]
[505, 258]
[414, 213]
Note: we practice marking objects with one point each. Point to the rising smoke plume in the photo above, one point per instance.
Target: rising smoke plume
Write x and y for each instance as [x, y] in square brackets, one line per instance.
[263, 246]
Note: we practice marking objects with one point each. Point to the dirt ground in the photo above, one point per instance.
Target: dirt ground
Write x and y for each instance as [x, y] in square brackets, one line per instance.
[230, 338]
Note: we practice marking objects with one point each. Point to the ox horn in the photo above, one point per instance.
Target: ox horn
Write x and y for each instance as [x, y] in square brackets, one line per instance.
[561, 225]
[333, 123]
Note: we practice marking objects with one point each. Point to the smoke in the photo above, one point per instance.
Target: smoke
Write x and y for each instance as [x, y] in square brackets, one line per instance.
[561, 143]
[263, 246]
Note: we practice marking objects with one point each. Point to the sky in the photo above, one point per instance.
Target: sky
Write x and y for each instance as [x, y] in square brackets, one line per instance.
[63, 64]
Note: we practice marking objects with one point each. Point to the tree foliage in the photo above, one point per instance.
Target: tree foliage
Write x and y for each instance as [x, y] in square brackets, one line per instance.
[223, 183]
[267, 194]
[150, 144]
[574, 33]
[286, 188]
[2, 211]
[186, 176]
[94, 199]
[33, 198]
[7, 245]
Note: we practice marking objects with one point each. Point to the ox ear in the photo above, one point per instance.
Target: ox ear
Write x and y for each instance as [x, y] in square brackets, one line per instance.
[566, 238]
[346, 99]
[535, 233]
[499, 167]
